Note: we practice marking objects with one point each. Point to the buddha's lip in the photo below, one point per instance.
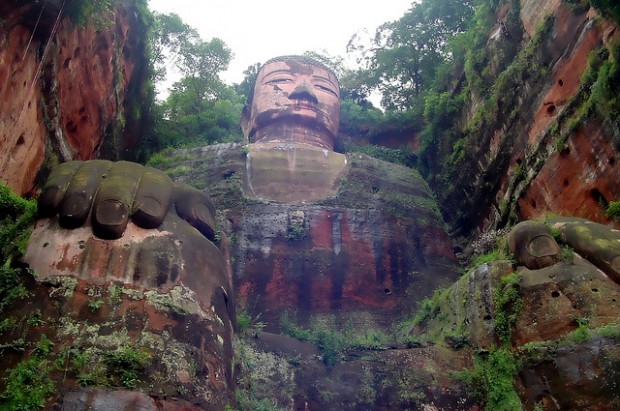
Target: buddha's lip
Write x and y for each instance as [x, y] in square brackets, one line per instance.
[300, 105]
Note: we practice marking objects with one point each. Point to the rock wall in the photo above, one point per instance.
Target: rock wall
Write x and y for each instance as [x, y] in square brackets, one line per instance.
[537, 140]
[578, 175]
[64, 88]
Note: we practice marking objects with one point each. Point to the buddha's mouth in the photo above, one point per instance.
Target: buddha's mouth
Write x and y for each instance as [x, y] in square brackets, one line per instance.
[303, 105]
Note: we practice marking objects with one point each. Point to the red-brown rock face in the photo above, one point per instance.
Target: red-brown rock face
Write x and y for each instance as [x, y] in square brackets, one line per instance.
[62, 87]
[159, 296]
[576, 179]
[544, 143]
[21, 128]
[344, 261]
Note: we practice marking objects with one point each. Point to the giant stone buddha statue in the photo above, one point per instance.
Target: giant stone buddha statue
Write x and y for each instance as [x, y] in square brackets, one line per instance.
[321, 233]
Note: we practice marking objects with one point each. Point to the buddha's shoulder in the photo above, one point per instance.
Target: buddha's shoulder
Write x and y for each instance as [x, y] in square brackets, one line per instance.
[365, 168]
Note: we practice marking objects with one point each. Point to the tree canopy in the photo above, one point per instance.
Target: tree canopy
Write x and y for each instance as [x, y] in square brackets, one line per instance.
[199, 109]
[405, 54]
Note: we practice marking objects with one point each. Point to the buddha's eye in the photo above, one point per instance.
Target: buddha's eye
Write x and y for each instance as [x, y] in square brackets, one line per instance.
[325, 89]
[279, 80]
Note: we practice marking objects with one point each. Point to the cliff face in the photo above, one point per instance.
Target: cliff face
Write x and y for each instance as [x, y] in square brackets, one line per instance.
[64, 88]
[544, 135]
[581, 172]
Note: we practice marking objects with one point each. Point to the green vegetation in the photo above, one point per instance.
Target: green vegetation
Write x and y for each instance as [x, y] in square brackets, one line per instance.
[15, 227]
[490, 246]
[11, 287]
[243, 322]
[35, 319]
[406, 54]
[18, 215]
[566, 254]
[540, 350]
[94, 305]
[581, 333]
[443, 319]
[491, 379]
[402, 156]
[479, 260]
[28, 384]
[333, 341]
[428, 308]
[200, 109]
[7, 324]
[91, 12]
[507, 305]
[555, 233]
[247, 402]
[32, 381]
[94, 367]
[613, 210]
[609, 8]
[246, 322]
[602, 77]
[261, 375]
[296, 231]
[89, 371]
[125, 364]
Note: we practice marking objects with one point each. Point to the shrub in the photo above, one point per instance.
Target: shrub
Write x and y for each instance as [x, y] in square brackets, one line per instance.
[16, 225]
[491, 380]
[95, 12]
[613, 209]
[507, 305]
[29, 384]
[127, 363]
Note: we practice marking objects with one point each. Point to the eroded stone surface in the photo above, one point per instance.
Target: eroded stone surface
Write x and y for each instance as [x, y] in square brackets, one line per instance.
[72, 100]
[294, 100]
[598, 243]
[166, 293]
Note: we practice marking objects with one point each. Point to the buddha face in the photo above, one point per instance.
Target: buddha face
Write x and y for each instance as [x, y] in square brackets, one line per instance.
[294, 99]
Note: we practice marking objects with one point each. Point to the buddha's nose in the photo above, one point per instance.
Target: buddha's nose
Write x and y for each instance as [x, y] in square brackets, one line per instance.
[303, 91]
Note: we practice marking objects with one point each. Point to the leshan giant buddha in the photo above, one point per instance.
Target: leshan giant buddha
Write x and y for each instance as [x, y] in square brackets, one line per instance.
[315, 231]
[312, 231]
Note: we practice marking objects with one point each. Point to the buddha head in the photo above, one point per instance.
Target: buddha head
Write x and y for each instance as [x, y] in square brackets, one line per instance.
[533, 245]
[294, 99]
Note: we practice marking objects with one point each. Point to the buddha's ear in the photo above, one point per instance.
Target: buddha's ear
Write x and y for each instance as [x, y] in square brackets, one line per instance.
[245, 123]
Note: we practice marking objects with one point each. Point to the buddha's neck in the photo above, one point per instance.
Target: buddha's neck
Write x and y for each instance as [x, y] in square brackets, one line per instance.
[287, 133]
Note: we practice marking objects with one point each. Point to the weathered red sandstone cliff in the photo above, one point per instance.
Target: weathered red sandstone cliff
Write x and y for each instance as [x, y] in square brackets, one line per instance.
[65, 88]
[580, 174]
[539, 139]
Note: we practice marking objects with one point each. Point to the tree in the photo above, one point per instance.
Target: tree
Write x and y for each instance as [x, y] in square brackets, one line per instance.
[404, 55]
[200, 108]
[609, 8]
[247, 85]
[168, 37]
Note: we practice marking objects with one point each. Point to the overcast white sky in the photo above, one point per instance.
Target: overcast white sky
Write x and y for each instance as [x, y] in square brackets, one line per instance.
[257, 30]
